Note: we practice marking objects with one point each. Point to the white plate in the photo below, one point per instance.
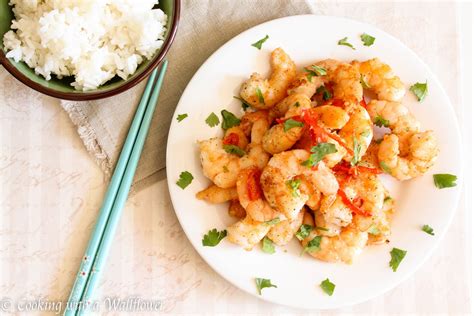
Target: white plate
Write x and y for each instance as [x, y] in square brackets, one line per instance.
[308, 38]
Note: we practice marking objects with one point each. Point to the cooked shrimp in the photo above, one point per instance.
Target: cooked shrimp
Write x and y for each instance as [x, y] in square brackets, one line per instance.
[222, 167]
[215, 194]
[343, 247]
[282, 232]
[418, 156]
[236, 136]
[247, 232]
[261, 93]
[305, 84]
[358, 132]
[346, 80]
[276, 139]
[251, 197]
[396, 116]
[285, 167]
[380, 229]
[333, 214]
[330, 116]
[381, 80]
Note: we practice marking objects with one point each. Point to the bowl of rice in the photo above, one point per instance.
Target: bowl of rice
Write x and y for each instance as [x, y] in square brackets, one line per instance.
[85, 49]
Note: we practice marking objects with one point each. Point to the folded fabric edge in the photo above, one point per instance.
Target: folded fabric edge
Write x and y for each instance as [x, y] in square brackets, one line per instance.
[88, 136]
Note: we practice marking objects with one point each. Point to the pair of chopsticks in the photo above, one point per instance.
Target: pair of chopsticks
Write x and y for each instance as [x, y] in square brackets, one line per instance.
[115, 197]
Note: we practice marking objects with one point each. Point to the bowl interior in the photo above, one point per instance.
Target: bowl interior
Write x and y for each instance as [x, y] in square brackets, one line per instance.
[64, 84]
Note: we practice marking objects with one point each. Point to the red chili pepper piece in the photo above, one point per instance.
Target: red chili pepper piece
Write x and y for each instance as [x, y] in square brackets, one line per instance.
[254, 189]
[231, 139]
[350, 205]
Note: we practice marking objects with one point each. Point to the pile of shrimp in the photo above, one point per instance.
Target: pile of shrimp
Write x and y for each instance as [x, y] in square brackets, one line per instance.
[288, 183]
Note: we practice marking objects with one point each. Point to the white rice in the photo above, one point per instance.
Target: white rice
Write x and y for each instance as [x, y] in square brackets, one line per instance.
[92, 40]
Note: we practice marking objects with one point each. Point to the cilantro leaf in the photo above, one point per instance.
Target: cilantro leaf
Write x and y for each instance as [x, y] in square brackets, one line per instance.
[293, 185]
[181, 117]
[185, 179]
[245, 104]
[267, 245]
[373, 230]
[272, 221]
[315, 71]
[345, 43]
[420, 90]
[381, 122]
[263, 283]
[444, 180]
[328, 287]
[297, 104]
[313, 245]
[326, 93]
[260, 95]
[384, 167]
[364, 83]
[236, 150]
[213, 237]
[397, 257]
[258, 44]
[357, 149]
[291, 123]
[318, 153]
[304, 231]
[428, 229]
[212, 120]
[367, 39]
[229, 120]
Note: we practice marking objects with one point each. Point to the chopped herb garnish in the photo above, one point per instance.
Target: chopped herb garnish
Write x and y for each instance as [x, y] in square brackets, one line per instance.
[420, 90]
[357, 149]
[345, 43]
[381, 122]
[185, 179]
[245, 104]
[315, 71]
[272, 221]
[291, 123]
[313, 245]
[293, 186]
[297, 104]
[444, 180]
[387, 199]
[304, 231]
[212, 120]
[328, 287]
[397, 257]
[428, 229]
[364, 83]
[236, 150]
[263, 283]
[260, 95]
[385, 168]
[322, 228]
[373, 230]
[213, 237]
[326, 93]
[181, 117]
[258, 44]
[267, 245]
[225, 169]
[367, 39]
[318, 153]
[229, 120]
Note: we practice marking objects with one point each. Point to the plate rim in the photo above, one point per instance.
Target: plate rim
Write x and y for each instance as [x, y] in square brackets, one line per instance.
[459, 183]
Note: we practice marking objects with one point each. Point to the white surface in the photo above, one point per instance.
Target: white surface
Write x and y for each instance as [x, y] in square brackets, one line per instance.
[50, 192]
[418, 202]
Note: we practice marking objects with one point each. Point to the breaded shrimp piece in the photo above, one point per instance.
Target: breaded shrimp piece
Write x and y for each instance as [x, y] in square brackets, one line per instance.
[263, 94]
[251, 197]
[285, 167]
[236, 210]
[380, 79]
[214, 194]
[282, 232]
[247, 232]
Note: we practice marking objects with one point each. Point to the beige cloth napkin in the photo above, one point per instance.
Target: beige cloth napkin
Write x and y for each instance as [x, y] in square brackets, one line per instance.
[204, 26]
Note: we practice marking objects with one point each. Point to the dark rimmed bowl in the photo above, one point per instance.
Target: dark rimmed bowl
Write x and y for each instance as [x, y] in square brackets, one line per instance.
[61, 88]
